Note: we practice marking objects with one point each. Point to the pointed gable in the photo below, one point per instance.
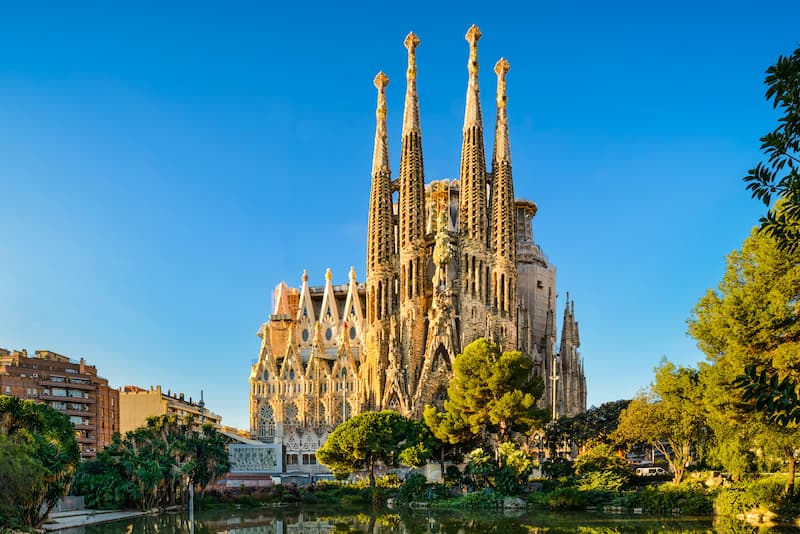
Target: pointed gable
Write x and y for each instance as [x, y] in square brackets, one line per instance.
[329, 313]
[305, 316]
[353, 314]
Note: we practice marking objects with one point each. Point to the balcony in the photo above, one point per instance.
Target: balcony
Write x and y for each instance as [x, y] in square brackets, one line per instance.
[85, 427]
[67, 385]
[43, 397]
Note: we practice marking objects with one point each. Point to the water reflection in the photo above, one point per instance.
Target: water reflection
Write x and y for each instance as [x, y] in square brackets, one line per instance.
[286, 521]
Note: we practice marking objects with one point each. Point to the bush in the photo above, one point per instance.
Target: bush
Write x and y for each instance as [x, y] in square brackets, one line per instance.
[764, 494]
[413, 489]
[486, 499]
[558, 468]
[389, 481]
[566, 499]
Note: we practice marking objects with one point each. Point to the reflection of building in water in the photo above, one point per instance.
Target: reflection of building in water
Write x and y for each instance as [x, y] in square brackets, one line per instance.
[447, 263]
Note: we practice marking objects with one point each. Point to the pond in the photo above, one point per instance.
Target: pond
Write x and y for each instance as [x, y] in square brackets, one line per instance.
[318, 521]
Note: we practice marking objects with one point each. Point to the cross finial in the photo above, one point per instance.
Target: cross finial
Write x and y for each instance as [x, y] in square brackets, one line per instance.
[472, 37]
[328, 274]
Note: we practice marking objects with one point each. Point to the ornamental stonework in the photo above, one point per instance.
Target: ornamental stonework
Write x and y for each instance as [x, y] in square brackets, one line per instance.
[447, 262]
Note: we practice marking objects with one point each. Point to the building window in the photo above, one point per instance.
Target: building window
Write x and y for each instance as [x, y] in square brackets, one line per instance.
[291, 459]
[59, 392]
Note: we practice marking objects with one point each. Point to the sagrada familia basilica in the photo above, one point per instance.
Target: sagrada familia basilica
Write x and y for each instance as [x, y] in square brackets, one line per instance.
[447, 262]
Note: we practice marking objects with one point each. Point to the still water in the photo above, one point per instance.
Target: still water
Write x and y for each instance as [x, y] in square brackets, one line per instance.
[294, 521]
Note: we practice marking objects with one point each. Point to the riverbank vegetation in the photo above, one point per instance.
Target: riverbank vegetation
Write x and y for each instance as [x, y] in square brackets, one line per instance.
[38, 456]
[154, 466]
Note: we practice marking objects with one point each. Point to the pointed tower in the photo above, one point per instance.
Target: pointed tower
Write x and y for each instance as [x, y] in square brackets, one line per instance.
[412, 227]
[472, 209]
[381, 257]
[573, 394]
[503, 224]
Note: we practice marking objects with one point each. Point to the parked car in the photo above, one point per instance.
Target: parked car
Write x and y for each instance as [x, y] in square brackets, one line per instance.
[650, 471]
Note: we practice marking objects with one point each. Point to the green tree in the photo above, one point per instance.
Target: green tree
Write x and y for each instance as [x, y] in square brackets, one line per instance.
[750, 322]
[491, 397]
[777, 182]
[371, 438]
[154, 466]
[594, 427]
[21, 481]
[669, 417]
[44, 446]
[601, 469]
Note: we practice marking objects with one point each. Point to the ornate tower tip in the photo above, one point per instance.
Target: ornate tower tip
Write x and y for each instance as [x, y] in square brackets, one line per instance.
[328, 274]
[305, 275]
[381, 80]
[412, 41]
[473, 35]
[352, 273]
[501, 67]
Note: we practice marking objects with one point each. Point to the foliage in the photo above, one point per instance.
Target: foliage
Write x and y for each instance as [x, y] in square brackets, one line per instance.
[778, 177]
[370, 438]
[43, 449]
[594, 427]
[670, 417]
[765, 494]
[601, 469]
[557, 468]
[564, 498]
[775, 396]
[751, 322]
[154, 466]
[21, 480]
[486, 499]
[413, 489]
[492, 396]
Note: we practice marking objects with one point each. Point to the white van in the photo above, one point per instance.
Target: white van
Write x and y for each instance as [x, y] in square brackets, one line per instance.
[650, 471]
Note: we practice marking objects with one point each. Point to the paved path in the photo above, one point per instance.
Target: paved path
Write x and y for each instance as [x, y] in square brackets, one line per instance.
[79, 518]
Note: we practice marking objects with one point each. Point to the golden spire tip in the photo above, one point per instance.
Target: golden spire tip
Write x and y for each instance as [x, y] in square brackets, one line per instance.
[381, 80]
[501, 67]
[412, 41]
[473, 35]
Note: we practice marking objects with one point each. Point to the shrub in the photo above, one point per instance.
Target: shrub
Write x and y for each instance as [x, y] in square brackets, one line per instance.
[766, 494]
[566, 499]
[389, 481]
[558, 468]
[413, 489]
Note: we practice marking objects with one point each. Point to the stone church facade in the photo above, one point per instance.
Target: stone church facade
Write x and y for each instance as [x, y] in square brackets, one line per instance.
[447, 262]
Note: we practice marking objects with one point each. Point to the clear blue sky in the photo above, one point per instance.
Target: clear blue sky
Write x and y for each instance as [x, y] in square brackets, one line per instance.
[163, 168]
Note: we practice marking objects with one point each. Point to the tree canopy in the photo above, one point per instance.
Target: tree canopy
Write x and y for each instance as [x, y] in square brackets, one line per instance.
[40, 455]
[370, 438]
[153, 466]
[594, 427]
[776, 182]
[751, 321]
[492, 396]
[669, 417]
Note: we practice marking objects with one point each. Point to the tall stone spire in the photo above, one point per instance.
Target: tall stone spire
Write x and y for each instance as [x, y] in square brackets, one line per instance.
[411, 111]
[473, 225]
[502, 148]
[411, 224]
[472, 199]
[380, 238]
[503, 224]
[380, 156]
[412, 178]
